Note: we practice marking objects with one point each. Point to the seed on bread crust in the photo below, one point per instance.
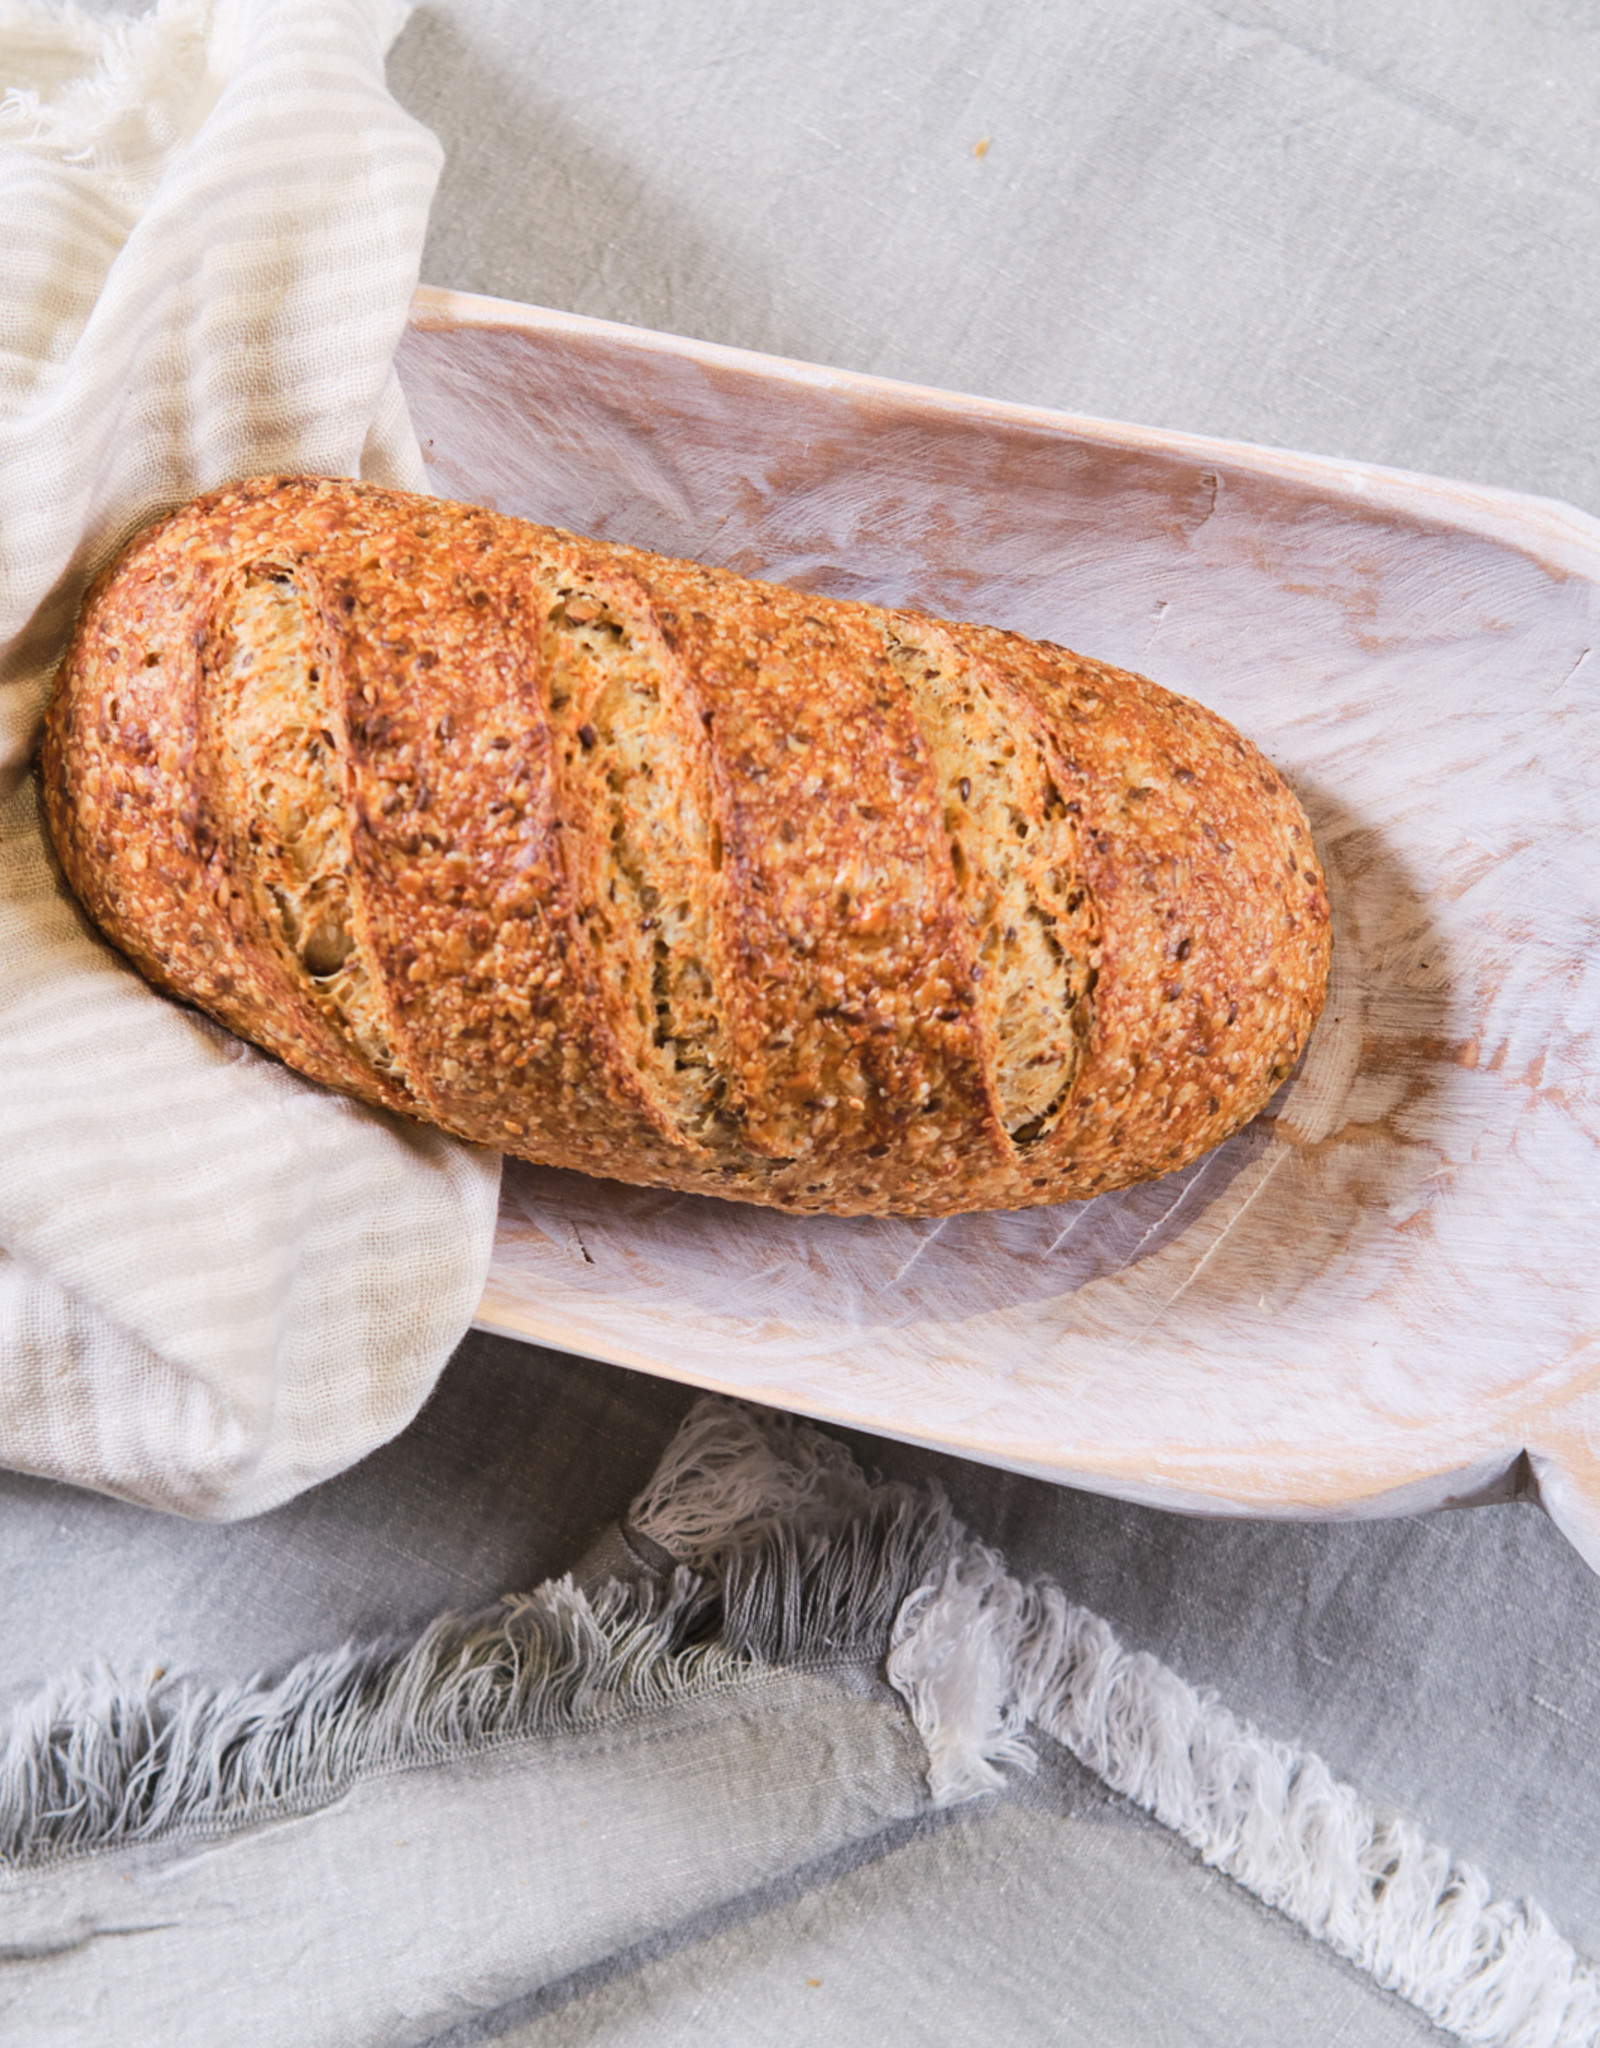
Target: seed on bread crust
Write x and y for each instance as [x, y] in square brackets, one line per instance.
[639, 867]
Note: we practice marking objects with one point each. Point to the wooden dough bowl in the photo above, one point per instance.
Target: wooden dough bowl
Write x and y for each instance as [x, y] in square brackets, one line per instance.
[1383, 1296]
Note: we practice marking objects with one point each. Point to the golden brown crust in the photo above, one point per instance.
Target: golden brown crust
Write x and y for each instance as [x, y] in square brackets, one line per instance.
[639, 867]
[1213, 917]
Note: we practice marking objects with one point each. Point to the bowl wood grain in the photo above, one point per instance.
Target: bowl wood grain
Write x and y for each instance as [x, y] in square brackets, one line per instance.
[1384, 1295]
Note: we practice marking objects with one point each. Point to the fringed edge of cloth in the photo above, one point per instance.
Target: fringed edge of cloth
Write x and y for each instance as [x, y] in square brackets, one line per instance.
[762, 1545]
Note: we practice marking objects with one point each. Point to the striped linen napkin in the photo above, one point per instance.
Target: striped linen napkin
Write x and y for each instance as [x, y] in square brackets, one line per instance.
[218, 1284]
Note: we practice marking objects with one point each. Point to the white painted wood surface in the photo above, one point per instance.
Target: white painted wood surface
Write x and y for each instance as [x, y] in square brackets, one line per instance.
[1377, 1298]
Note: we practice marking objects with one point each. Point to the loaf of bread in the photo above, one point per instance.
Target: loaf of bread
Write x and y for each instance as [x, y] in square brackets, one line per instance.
[647, 869]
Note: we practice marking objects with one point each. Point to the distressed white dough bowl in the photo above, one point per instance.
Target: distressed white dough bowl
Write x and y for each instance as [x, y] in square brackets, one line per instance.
[1386, 1296]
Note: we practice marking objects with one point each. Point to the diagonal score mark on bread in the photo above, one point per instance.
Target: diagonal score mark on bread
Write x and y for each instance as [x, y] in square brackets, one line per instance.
[279, 785]
[643, 868]
[1014, 852]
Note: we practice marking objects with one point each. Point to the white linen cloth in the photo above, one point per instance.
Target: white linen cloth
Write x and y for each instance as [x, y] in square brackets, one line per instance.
[218, 1283]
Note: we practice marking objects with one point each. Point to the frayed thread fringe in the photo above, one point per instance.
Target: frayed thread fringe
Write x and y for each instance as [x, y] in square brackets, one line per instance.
[732, 1471]
[120, 90]
[117, 94]
[788, 1556]
[97, 1764]
[980, 1658]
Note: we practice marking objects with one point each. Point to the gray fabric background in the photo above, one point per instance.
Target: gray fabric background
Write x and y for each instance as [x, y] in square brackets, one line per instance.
[1360, 228]
[1446, 1664]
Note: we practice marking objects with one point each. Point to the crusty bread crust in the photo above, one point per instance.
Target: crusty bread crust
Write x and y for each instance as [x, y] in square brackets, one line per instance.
[639, 867]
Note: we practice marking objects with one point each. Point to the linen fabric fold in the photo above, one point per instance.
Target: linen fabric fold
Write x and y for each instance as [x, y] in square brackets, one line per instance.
[218, 1283]
[590, 1811]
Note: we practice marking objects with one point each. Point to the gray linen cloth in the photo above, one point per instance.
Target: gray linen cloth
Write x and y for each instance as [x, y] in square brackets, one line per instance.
[775, 1695]
[663, 1803]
